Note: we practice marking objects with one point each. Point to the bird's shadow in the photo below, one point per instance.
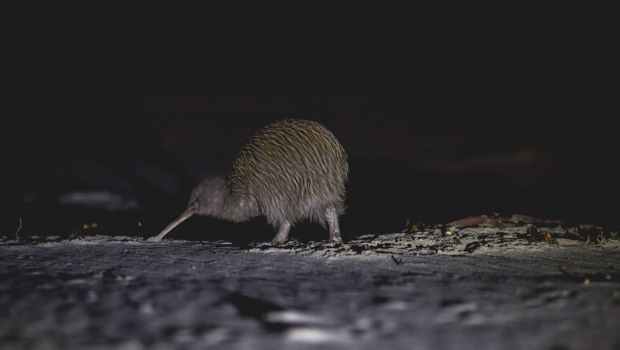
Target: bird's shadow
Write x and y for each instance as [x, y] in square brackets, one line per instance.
[244, 233]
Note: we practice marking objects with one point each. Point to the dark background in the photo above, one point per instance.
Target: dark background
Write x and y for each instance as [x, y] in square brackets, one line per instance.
[432, 134]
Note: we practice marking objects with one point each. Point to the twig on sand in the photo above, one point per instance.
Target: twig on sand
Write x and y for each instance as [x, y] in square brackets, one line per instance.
[19, 229]
[397, 261]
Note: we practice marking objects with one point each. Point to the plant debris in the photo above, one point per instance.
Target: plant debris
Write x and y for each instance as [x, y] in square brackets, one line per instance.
[19, 229]
[467, 236]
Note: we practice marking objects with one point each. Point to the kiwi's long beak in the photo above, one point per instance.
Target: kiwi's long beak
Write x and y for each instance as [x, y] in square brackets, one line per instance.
[186, 215]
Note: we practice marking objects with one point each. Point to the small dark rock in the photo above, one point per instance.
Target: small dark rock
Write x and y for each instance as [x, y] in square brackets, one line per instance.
[470, 247]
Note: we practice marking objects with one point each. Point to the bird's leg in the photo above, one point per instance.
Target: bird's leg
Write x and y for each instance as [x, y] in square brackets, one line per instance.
[331, 216]
[282, 234]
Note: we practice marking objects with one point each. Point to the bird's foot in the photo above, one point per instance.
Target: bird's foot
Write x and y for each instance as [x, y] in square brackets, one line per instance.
[335, 237]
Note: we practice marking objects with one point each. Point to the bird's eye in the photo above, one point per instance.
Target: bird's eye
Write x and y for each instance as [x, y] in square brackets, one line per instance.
[193, 205]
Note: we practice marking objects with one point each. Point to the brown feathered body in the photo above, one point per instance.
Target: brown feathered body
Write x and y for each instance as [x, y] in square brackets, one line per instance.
[288, 171]
[293, 169]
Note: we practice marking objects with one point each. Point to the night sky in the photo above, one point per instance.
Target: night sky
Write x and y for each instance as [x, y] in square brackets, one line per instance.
[432, 135]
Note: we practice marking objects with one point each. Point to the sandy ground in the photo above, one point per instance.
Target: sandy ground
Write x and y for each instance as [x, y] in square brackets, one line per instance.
[506, 286]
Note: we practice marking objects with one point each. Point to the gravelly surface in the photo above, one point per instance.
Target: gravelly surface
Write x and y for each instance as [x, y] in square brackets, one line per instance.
[506, 287]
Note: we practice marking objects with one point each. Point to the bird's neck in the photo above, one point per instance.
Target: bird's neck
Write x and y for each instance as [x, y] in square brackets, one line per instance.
[238, 208]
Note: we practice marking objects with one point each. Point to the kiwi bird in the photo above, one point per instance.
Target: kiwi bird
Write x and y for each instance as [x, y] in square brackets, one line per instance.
[288, 171]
